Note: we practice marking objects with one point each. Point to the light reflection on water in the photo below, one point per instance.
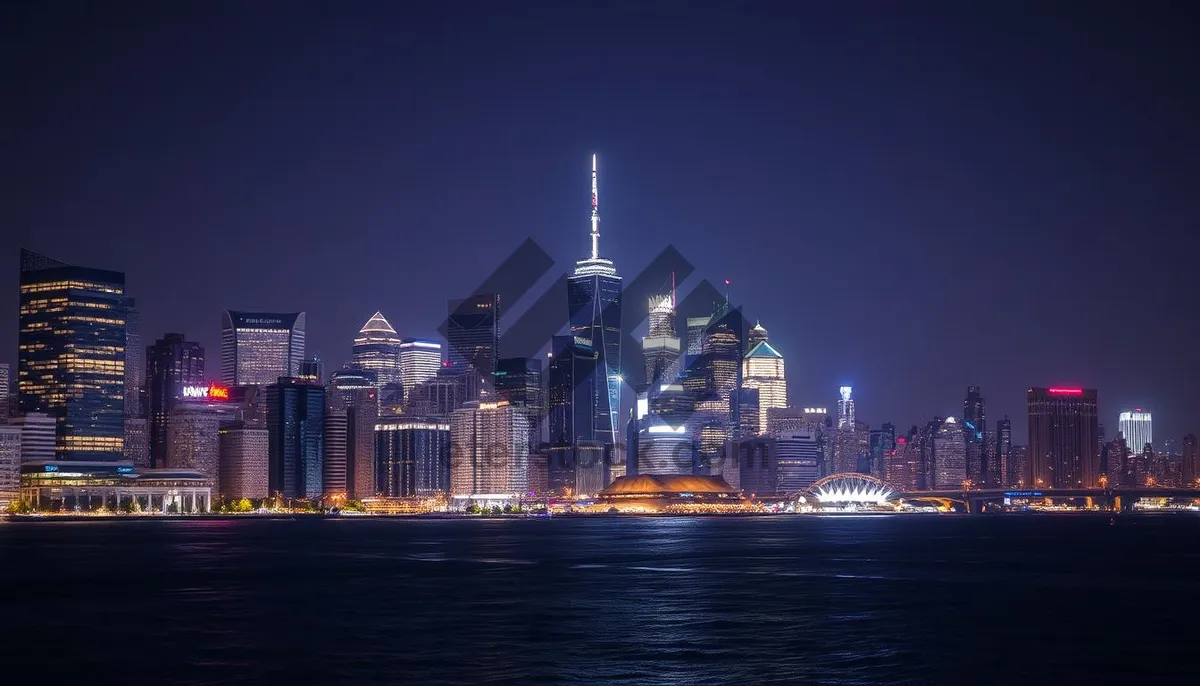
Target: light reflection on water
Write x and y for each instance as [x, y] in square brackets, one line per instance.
[620, 600]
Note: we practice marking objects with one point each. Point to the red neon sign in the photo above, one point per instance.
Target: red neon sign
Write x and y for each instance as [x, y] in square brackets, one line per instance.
[1065, 391]
[901, 441]
[218, 392]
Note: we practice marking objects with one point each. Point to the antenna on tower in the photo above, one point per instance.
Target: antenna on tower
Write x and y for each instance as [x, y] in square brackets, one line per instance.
[595, 212]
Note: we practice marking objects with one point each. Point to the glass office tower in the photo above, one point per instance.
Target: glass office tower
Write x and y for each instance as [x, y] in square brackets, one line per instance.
[71, 355]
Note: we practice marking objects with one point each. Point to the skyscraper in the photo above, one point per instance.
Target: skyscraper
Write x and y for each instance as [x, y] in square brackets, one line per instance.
[10, 465]
[473, 337]
[192, 439]
[412, 457]
[37, 436]
[244, 457]
[763, 369]
[974, 424]
[574, 457]
[354, 391]
[296, 422]
[171, 363]
[1135, 426]
[5, 386]
[377, 348]
[1062, 438]
[71, 355]
[135, 361]
[489, 450]
[1190, 463]
[661, 348]
[312, 369]
[257, 348]
[137, 441]
[882, 443]
[420, 361]
[799, 459]
[519, 381]
[333, 463]
[949, 455]
[1008, 473]
[845, 407]
[594, 308]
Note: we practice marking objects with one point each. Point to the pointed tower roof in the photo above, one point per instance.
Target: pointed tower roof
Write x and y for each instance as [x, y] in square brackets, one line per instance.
[764, 349]
[377, 324]
[758, 329]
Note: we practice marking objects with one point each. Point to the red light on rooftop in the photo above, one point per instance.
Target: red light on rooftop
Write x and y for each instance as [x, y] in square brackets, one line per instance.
[1065, 391]
[901, 441]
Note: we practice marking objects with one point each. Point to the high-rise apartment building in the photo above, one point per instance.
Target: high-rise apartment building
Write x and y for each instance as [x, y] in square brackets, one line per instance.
[519, 381]
[882, 443]
[71, 355]
[172, 363]
[901, 465]
[5, 386]
[949, 455]
[420, 361]
[296, 422]
[594, 310]
[412, 457]
[258, 348]
[1135, 425]
[763, 369]
[377, 348]
[1062, 438]
[489, 450]
[244, 457]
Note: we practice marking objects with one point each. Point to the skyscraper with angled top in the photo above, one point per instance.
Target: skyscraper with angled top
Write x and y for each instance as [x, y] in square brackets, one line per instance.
[594, 306]
[257, 348]
[71, 355]
[377, 349]
[762, 368]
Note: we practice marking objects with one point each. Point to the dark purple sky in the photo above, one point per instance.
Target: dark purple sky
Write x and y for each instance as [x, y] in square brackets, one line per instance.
[912, 198]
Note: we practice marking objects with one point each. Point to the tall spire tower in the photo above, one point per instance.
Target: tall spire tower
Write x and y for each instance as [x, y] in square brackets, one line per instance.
[594, 305]
[595, 212]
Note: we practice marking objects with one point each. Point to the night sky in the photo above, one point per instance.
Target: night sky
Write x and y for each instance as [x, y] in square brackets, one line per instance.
[912, 197]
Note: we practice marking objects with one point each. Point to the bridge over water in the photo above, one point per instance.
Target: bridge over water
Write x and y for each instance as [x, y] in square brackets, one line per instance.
[1121, 497]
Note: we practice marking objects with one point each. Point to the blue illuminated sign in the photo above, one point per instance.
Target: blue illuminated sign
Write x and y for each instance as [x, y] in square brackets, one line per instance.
[124, 470]
[52, 468]
[1022, 494]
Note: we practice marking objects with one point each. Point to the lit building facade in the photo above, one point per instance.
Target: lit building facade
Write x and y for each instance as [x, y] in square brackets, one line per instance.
[37, 436]
[258, 348]
[192, 436]
[519, 381]
[1135, 425]
[244, 455]
[137, 441]
[1189, 464]
[355, 392]
[799, 459]
[594, 311]
[661, 349]
[5, 384]
[377, 348]
[664, 449]
[949, 455]
[135, 361]
[112, 485]
[420, 361]
[845, 407]
[10, 465]
[71, 355]
[763, 369]
[1063, 427]
[1008, 473]
[574, 456]
[412, 457]
[974, 424]
[296, 439]
[171, 363]
[333, 473]
[489, 450]
[882, 443]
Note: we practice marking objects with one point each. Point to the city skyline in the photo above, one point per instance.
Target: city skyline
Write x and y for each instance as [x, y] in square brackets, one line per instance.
[865, 240]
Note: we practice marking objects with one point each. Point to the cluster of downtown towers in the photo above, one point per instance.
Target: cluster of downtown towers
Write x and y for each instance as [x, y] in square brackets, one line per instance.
[400, 419]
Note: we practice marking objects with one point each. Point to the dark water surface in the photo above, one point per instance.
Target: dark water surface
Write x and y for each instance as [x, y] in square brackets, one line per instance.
[903, 599]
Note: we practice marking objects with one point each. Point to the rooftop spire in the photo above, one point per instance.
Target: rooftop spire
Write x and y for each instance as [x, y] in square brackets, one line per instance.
[595, 212]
